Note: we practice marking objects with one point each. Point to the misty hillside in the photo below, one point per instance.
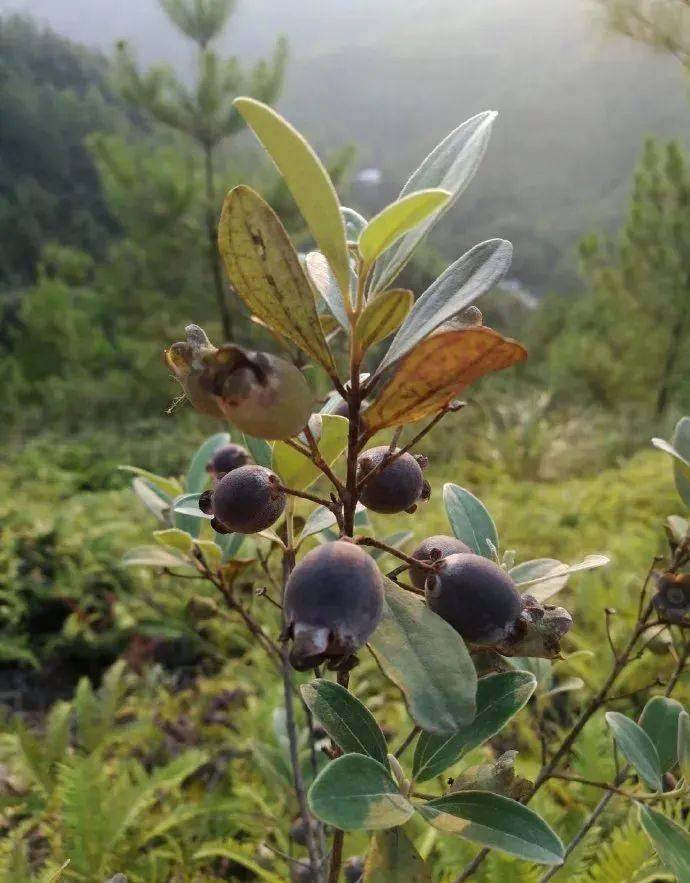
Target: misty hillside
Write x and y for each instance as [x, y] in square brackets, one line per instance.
[395, 77]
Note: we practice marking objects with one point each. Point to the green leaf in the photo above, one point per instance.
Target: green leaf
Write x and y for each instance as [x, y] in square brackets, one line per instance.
[152, 556]
[346, 720]
[637, 748]
[297, 471]
[495, 821]
[392, 858]
[472, 275]
[469, 520]
[211, 553]
[259, 448]
[659, 720]
[307, 180]
[427, 660]
[229, 544]
[451, 166]
[670, 841]
[167, 487]
[324, 282]
[684, 746]
[188, 504]
[395, 220]
[320, 519]
[382, 315]
[266, 272]
[544, 577]
[175, 539]
[355, 791]
[197, 476]
[499, 698]
[354, 223]
[156, 502]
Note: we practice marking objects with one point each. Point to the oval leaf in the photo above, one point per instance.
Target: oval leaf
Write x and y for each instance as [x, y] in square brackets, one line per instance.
[152, 556]
[166, 487]
[396, 219]
[499, 698]
[354, 223]
[637, 748]
[471, 276]
[307, 180]
[155, 501]
[266, 272]
[544, 577]
[355, 791]
[451, 165]
[296, 470]
[325, 284]
[259, 448]
[470, 520]
[671, 842]
[346, 720]
[382, 316]
[392, 858]
[495, 821]
[427, 660]
[175, 539]
[659, 720]
[188, 504]
[436, 371]
[197, 476]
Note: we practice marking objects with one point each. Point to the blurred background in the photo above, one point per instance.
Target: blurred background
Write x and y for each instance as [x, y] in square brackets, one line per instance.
[117, 145]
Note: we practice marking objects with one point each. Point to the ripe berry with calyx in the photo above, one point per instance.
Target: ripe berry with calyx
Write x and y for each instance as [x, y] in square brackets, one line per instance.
[396, 487]
[227, 458]
[246, 500]
[433, 549]
[476, 597]
[333, 603]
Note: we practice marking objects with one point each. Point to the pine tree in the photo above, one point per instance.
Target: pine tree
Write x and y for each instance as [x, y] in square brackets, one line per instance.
[203, 113]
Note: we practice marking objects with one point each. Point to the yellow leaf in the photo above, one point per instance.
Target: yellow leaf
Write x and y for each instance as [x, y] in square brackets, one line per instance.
[266, 272]
[436, 371]
[392, 858]
[397, 219]
[307, 180]
[382, 316]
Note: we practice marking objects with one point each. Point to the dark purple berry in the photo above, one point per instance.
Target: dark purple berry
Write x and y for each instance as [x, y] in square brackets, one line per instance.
[433, 549]
[302, 873]
[353, 869]
[298, 831]
[227, 458]
[397, 487]
[246, 500]
[333, 603]
[475, 596]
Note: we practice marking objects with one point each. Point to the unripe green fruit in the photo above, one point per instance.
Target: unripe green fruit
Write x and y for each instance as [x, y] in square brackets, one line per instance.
[353, 869]
[263, 395]
[246, 500]
[476, 597]
[227, 458]
[397, 487]
[333, 603]
[185, 360]
[433, 549]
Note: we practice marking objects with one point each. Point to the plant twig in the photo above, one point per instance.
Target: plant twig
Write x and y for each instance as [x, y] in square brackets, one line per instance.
[305, 495]
[407, 741]
[411, 562]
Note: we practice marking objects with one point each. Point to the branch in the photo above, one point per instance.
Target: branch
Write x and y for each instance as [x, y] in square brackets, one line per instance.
[411, 562]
